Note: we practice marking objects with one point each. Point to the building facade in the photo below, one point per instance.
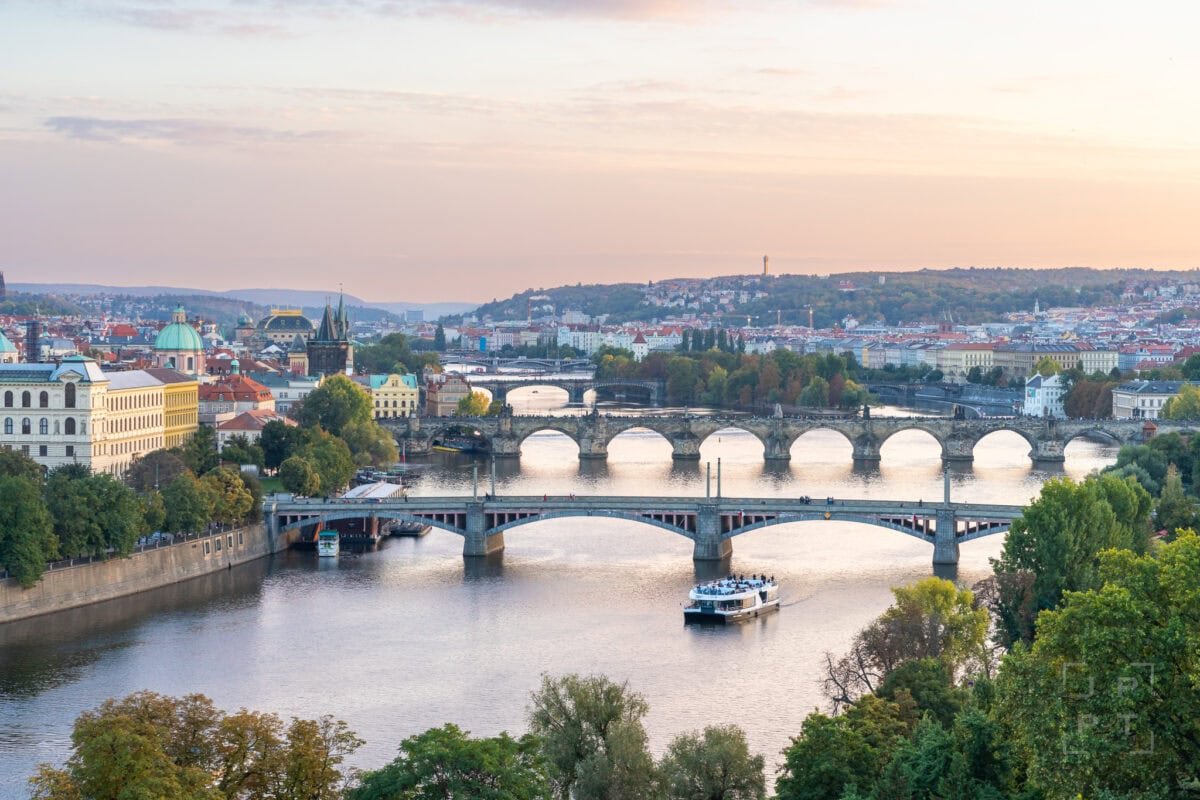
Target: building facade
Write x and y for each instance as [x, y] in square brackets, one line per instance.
[1144, 399]
[179, 347]
[392, 395]
[181, 406]
[442, 393]
[230, 395]
[1044, 397]
[330, 351]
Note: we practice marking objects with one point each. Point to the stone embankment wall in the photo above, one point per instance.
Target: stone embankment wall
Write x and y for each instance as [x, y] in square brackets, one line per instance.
[71, 587]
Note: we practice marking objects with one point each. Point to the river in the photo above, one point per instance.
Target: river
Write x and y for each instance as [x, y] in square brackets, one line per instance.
[408, 637]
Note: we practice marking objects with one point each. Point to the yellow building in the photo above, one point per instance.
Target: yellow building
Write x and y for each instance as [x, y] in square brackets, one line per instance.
[956, 360]
[134, 423]
[181, 406]
[1018, 360]
[391, 395]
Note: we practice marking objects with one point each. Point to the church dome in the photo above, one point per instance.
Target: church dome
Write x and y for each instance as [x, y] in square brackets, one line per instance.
[6, 346]
[178, 335]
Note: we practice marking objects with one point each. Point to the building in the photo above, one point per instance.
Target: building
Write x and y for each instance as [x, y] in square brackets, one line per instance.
[54, 413]
[1144, 399]
[955, 361]
[135, 422]
[230, 395]
[179, 347]
[392, 395]
[8, 351]
[1044, 396]
[288, 390]
[330, 351]
[1018, 360]
[181, 406]
[442, 393]
[640, 347]
[297, 356]
[248, 424]
[283, 325]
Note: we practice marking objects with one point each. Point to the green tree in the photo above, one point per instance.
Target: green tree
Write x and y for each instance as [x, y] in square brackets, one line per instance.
[152, 746]
[713, 765]
[592, 738]
[331, 460]
[1114, 673]
[975, 375]
[1047, 366]
[1174, 509]
[188, 506]
[335, 403]
[474, 404]
[1183, 406]
[816, 394]
[27, 538]
[439, 339]
[154, 512]
[240, 450]
[446, 763]
[199, 453]
[370, 443]
[92, 514]
[154, 470]
[299, 477]
[278, 441]
[19, 465]
[232, 501]
[930, 683]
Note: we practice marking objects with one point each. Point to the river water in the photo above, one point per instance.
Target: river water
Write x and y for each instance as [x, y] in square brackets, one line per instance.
[410, 636]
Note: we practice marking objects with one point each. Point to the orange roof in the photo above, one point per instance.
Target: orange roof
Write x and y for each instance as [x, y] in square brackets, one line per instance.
[254, 420]
[234, 387]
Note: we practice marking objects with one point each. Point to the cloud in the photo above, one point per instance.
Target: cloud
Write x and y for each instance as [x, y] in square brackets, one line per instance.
[176, 131]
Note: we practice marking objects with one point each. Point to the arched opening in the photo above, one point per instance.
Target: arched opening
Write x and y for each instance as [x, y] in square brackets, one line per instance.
[69, 395]
[25, 400]
[738, 455]
[43, 427]
[1087, 453]
[639, 446]
[44, 399]
[822, 446]
[461, 439]
[8, 425]
[69, 426]
[609, 540]
[530, 399]
[911, 447]
[549, 446]
[8, 399]
[26, 426]
[622, 393]
[1002, 449]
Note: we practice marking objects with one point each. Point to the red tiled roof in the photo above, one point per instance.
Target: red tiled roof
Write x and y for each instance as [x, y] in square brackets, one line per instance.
[254, 420]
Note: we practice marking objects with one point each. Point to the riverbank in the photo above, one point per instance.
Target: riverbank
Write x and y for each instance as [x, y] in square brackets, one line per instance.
[84, 584]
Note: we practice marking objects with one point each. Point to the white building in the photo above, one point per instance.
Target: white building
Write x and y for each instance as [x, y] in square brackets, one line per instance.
[1044, 397]
[1144, 399]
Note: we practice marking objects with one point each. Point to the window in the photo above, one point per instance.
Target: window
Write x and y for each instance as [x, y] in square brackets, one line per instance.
[8, 425]
[25, 426]
[70, 450]
[69, 426]
[230, 537]
[44, 400]
[206, 550]
[240, 537]
[217, 541]
[42, 450]
[25, 399]
[8, 399]
[25, 449]
[69, 397]
[43, 427]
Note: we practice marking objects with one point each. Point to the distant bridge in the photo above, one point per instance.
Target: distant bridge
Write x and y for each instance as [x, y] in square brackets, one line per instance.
[957, 438]
[576, 386]
[710, 523]
[495, 363]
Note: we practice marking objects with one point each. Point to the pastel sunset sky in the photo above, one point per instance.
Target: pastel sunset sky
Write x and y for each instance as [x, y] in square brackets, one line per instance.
[420, 150]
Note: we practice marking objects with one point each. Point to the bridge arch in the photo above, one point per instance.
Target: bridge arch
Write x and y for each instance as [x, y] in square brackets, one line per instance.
[565, 429]
[819, 516]
[705, 436]
[817, 429]
[603, 513]
[1029, 438]
[389, 514]
[1095, 433]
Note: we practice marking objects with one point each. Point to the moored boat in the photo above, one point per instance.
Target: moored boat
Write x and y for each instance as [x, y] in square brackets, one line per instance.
[731, 599]
[328, 543]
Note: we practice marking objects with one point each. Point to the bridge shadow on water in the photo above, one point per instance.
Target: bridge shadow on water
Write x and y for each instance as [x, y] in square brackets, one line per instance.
[483, 569]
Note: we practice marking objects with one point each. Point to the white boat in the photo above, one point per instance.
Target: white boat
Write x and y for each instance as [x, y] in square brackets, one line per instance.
[731, 599]
[327, 543]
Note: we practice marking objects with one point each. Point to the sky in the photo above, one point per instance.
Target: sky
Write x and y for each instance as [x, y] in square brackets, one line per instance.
[468, 149]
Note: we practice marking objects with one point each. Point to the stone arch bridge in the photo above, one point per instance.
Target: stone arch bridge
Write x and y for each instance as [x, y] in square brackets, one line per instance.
[576, 386]
[1047, 438]
[709, 523]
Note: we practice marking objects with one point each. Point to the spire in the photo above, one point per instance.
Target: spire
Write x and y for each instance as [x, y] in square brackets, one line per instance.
[297, 345]
[342, 323]
[328, 330]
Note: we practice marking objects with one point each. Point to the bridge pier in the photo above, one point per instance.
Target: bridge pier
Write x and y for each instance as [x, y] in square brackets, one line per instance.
[709, 546]
[945, 538]
[506, 447]
[866, 449]
[592, 447]
[776, 449]
[478, 541]
[959, 450]
[1048, 451]
[685, 447]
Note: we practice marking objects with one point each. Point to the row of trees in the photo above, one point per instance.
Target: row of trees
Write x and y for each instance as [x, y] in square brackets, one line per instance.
[71, 512]
[586, 741]
[721, 378]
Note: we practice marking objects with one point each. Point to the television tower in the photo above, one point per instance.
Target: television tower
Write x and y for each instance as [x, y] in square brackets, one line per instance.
[764, 266]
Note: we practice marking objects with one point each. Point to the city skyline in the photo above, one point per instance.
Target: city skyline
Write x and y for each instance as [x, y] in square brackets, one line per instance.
[460, 151]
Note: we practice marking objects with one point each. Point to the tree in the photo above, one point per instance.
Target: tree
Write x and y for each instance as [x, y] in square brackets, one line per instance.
[1047, 366]
[816, 394]
[27, 538]
[592, 738]
[16, 464]
[474, 404]
[148, 745]
[335, 403]
[1103, 703]
[975, 375]
[154, 512]
[439, 339]
[278, 441]
[331, 460]
[200, 452]
[92, 514]
[713, 765]
[240, 450]
[154, 470]
[370, 443]
[232, 501]
[1174, 509]
[1057, 540]
[930, 683]
[682, 376]
[299, 477]
[188, 506]
[1183, 406]
[446, 763]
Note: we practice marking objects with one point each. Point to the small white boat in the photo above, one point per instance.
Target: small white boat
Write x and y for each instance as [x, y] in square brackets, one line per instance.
[327, 543]
[732, 599]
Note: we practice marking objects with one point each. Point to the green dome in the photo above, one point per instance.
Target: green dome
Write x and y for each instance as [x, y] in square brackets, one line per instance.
[6, 346]
[178, 336]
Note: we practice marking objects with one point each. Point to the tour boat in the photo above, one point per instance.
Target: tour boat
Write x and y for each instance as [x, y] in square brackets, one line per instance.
[731, 599]
[327, 544]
